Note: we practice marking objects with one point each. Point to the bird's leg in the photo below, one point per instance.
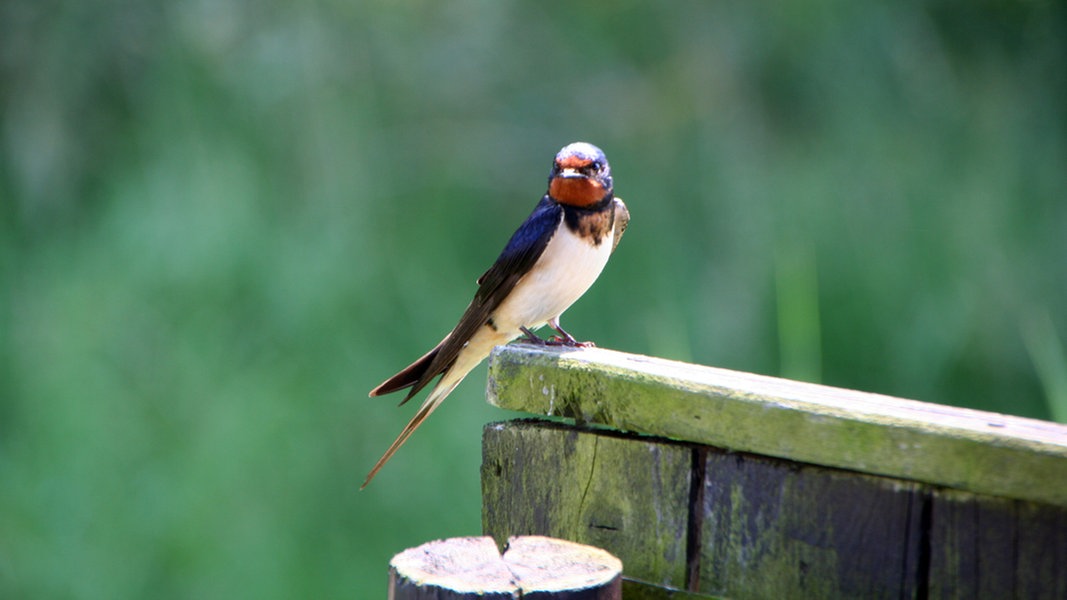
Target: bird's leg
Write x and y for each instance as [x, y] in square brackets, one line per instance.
[531, 337]
[566, 339]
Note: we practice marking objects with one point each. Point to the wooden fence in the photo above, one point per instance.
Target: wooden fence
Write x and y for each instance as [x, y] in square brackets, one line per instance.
[713, 483]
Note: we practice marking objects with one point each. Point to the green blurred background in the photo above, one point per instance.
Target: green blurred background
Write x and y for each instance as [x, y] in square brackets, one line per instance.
[223, 222]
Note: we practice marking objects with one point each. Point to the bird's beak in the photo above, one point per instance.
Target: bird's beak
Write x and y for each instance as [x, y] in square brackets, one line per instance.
[571, 174]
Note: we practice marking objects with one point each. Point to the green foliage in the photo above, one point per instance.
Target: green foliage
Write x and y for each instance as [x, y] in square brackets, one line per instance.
[221, 223]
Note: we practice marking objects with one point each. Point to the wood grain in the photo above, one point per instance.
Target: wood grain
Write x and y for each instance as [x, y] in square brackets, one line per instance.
[774, 529]
[628, 497]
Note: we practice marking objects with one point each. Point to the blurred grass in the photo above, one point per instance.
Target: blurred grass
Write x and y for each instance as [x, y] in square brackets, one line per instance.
[224, 222]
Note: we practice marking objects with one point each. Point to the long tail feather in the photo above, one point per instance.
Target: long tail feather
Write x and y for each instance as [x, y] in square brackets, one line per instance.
[436, 397]
[473, 354]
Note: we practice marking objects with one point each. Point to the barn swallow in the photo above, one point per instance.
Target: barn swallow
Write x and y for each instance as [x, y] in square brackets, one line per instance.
[550, 261]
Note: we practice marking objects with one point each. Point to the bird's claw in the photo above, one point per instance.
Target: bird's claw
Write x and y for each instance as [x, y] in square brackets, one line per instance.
[564, 340]
[568, 342]
[532, 338]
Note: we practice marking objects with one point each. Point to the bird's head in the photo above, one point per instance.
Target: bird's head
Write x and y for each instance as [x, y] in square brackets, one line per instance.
[580, 176]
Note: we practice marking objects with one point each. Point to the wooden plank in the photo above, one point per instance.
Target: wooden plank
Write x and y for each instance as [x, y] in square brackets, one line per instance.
[774, 529]
[984, 547]
[628, 496]
[959, 448]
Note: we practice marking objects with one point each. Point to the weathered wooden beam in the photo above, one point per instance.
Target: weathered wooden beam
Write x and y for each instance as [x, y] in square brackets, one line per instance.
[530, 567]
[779, 488]
[969, 450]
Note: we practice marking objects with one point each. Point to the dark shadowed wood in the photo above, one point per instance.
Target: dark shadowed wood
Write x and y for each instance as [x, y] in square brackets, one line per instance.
[985, 547]
[531, 568]
[774, 529]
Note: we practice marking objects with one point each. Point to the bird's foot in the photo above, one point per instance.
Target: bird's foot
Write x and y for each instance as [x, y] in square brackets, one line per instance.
[566, 339]
[532, 338]
[568, 342]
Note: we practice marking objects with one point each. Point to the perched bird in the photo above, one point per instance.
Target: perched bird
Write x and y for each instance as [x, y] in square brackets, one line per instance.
[550, 261]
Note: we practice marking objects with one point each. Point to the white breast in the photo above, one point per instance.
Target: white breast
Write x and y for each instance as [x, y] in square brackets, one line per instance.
[567, 268]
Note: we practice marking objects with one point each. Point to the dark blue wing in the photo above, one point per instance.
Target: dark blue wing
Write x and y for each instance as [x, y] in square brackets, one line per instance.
[518, 257]
[524, 247]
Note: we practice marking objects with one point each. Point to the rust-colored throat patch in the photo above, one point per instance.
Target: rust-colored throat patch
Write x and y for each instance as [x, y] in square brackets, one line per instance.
[576, 190]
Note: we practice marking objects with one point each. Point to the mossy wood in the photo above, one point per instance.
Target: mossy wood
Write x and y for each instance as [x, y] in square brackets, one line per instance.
[696, 513]
[964, 449]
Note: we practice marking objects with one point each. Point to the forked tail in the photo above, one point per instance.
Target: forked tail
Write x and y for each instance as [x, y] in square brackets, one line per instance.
[416, 376]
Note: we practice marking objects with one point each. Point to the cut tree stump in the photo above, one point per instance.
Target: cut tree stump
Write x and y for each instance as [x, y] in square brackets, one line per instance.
[531, 567]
